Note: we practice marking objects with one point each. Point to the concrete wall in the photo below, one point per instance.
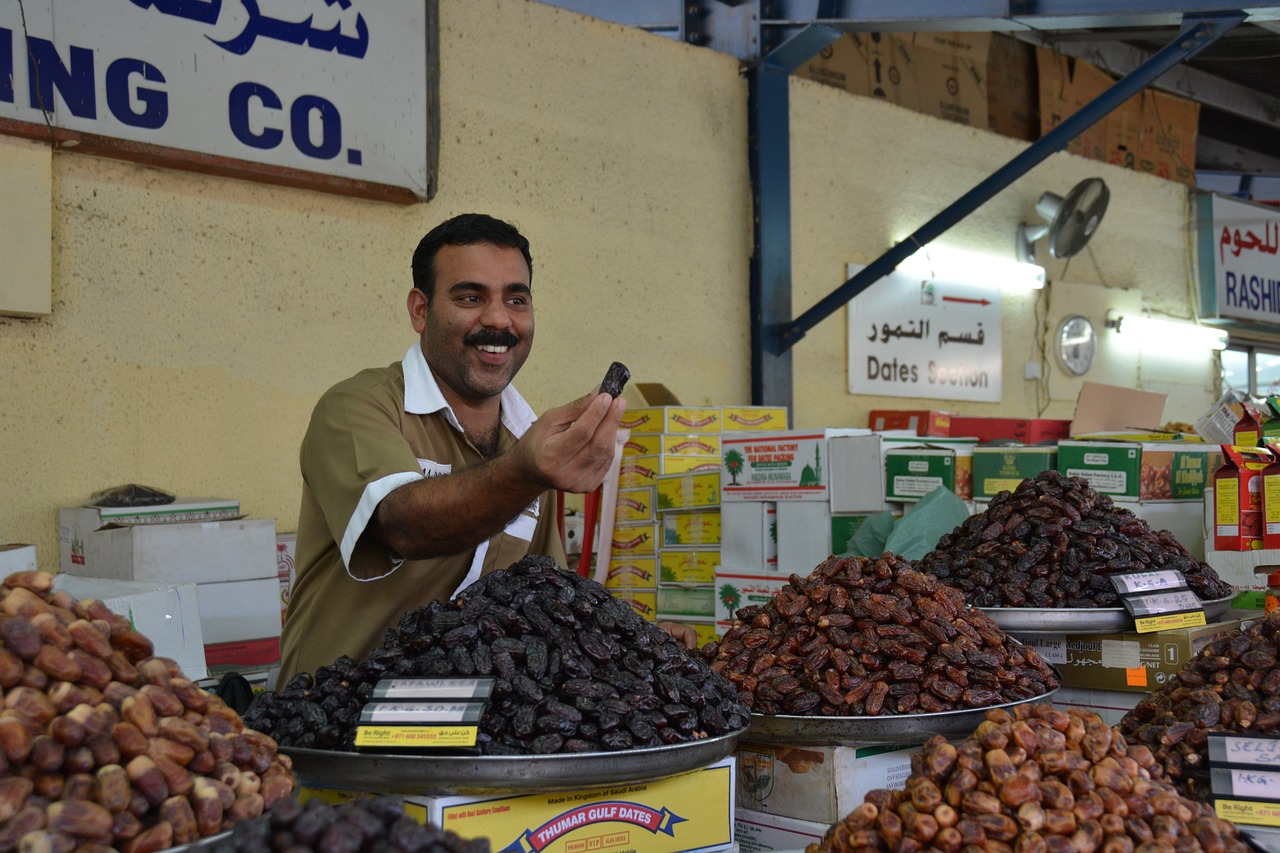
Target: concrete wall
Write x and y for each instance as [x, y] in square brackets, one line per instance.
[196, 319]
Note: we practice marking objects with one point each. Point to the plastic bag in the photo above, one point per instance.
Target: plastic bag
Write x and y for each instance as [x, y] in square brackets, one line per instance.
[869, 539]
[131, 494]
[917, 533]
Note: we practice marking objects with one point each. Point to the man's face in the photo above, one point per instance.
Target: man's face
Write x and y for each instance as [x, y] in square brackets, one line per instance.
[478, 329]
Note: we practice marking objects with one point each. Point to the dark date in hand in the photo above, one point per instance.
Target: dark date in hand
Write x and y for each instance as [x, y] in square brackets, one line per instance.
[615, 379]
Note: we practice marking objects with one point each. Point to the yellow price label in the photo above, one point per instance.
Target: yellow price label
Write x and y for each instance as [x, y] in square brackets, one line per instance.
[416, 737]
[1167, 621]
[1248, 811]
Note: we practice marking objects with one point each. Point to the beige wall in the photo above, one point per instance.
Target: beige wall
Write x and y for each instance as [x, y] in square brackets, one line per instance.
[195, 320]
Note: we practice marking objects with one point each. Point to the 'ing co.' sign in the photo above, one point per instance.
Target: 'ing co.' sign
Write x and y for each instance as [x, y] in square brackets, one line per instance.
[332, 94]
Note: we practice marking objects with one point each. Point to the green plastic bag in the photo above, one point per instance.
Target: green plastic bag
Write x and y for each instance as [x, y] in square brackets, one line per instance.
[869, 539]
[917, 533]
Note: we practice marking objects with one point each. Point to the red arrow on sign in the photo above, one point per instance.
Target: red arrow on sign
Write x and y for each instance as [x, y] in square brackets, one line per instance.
[962, 299]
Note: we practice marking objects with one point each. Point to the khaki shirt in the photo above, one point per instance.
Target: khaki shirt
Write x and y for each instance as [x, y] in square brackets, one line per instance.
[378, 430]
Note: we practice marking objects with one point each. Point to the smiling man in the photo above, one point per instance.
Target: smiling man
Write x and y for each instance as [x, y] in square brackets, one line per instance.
[421, 476]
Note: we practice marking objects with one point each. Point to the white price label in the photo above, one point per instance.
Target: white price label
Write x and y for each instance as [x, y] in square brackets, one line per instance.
[1148, 581]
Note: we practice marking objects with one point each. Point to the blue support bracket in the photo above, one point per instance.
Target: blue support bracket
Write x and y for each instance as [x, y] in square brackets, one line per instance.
[773, 333]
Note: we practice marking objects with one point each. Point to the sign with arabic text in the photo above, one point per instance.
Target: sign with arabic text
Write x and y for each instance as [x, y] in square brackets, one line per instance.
[930, 338]
[1239, 260]
[330, 94]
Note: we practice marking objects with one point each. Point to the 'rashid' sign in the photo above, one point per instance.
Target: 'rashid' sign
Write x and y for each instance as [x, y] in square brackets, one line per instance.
[326, 89]
[1239, 250]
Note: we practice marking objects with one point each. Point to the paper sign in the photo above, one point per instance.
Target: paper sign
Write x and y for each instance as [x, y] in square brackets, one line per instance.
[1252, 750]
[1245, 783]
[1148, 581]
[414, 737]
[433, 688]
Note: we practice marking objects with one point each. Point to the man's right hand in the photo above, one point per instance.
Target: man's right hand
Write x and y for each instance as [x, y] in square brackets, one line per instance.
[571, 447]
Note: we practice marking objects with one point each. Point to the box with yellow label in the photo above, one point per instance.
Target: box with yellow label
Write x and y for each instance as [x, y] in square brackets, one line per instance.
[685, 601]
[672, 444]
[1001, 469]
[738, 418]
[635, 505]
[641, 471]
[643, 602]
[688, 812]
[691, 528]
[688, 566]
[634, 540]
[632, 573]
[681, 419]
[687, 491]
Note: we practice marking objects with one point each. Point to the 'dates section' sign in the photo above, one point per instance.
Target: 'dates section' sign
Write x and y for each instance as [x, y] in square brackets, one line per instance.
[913, 337]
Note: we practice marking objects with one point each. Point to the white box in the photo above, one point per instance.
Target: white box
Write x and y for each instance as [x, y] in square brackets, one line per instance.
[206, 552]
[749, 536]
[75, 523]
[1184, 519]
[240, 610]
[857, 473]
[804, 536]
[735, 590]
[17, 558]
[790, 465]
[761, 832]
[817, 783]
[1237, 567]
[168, 614]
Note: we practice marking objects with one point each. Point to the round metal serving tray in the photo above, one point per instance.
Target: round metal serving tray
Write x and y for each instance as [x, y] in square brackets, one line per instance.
[1080, 620]
[445, 775]
[200, 844]
[896, 728]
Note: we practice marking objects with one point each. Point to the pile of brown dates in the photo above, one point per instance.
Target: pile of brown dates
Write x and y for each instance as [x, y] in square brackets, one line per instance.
[365, 823]
[575, 669]
[1232, 685]
[864, 637]
[1053, 542]
[104, 746]
[1038, 780]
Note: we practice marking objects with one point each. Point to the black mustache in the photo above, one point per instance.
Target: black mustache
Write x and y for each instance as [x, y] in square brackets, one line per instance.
[491, 337]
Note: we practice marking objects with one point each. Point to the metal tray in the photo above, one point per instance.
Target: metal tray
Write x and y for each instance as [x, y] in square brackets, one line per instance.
[202, 844]
[1080, 620]
[446, 775]
[897, 728]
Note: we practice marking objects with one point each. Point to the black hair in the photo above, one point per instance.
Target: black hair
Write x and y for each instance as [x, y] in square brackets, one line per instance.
[464, 230]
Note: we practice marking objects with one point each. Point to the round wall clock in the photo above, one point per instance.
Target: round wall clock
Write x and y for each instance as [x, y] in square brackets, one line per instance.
[1077, 344]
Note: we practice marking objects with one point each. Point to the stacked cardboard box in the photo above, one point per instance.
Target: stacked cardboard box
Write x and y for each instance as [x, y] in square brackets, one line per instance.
[230, 559]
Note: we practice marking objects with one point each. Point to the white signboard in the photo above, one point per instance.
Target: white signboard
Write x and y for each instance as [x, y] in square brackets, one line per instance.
[910, 337]
[333, 87]
[1246, 268]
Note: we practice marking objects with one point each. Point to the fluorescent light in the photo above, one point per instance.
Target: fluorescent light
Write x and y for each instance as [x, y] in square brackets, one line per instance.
[1179, 334]
[974, 268]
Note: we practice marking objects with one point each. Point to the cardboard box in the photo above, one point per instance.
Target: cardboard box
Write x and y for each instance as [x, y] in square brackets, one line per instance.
[843, 527]
[1000, 469]
[1270, 491]
[17, 558]
[777, 466]
[691, 528]
[919, 421]
[675, 419]
[632, 573]
[685, 601]
[761, 832]
[208, 552]
[1110, 705]
[1184, 519]
[1217, 425]
[1112, 468]
[754, 418]
[691, 811]
[1151, 132]
[1125, 661]
[75, 523]
[1177, 470]
[286, 548]
[735, 590]
[817, 783]
[1025, 430]
[804, 536]
[167, 613]
[637, 472]
[261, 653]
[910, 473]
[688, 566]
[668, 444]
[635, 505]
[239, 610]
[644, 602]
[693, 490]
[857, 473]
[749, 536]
[634, 540]
[1237, 498]
[1239, 568]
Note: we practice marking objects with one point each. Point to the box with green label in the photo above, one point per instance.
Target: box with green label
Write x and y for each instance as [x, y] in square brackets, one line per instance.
[688, 566]
[1000, 469]
[1177, 470]
[1112, 468]
[681, 601]
[691, 528]
[691, 490]
[843, 526]
[910, 472]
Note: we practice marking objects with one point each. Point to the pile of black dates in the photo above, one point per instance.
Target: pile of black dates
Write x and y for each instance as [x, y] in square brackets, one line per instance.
[1053, 542]
[575, 669]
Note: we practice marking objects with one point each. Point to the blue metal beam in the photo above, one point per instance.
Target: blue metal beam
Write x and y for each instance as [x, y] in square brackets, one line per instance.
[1197, 34]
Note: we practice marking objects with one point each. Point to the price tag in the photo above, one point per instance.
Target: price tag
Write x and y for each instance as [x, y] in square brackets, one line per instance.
[1161, 611]
[418, 714]
[1247, 811]
[405, 713]
[1245, 783]
[1138, 582]
[1238, 750]
[415, 737]
[433, 688]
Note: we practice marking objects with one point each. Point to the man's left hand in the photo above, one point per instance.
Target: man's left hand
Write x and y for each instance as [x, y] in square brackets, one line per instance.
[686, 635]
